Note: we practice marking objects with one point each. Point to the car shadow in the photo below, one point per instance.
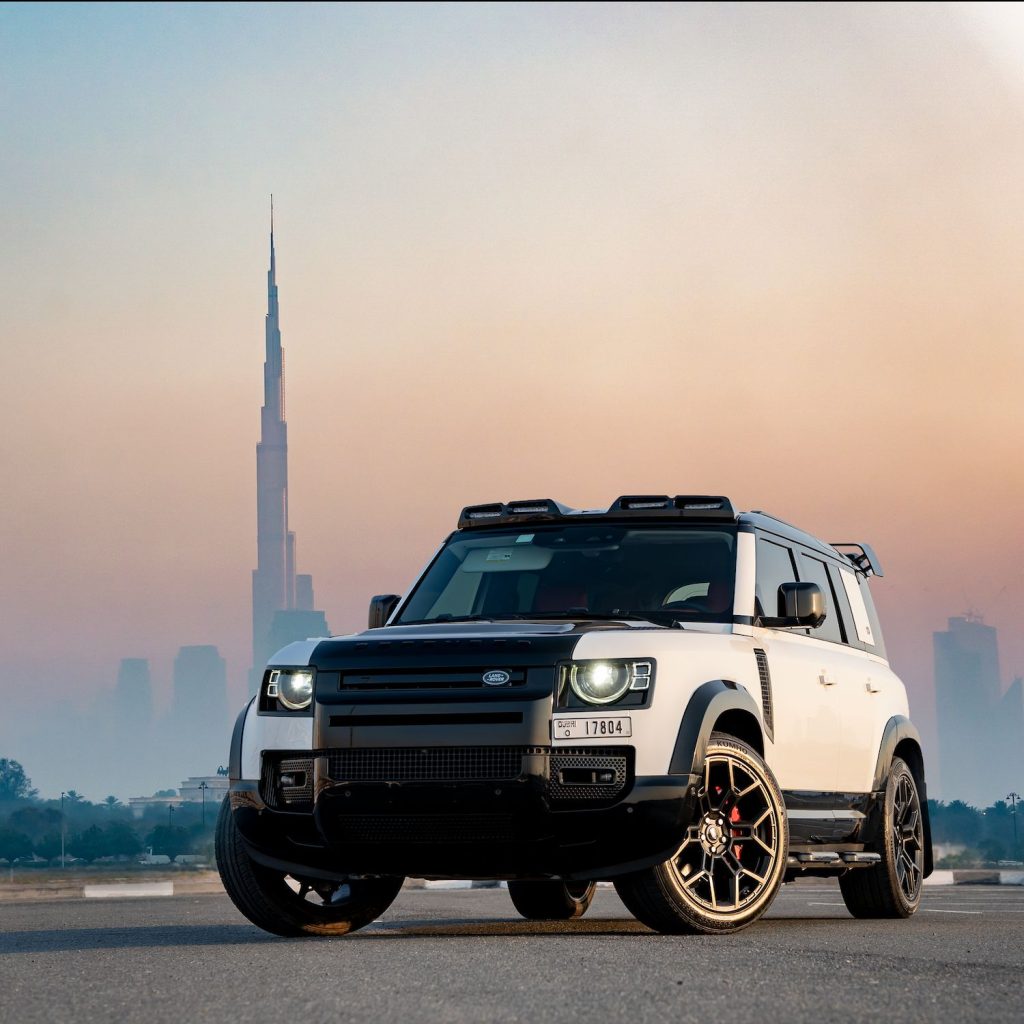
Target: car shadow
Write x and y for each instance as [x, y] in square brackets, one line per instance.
[66, 940]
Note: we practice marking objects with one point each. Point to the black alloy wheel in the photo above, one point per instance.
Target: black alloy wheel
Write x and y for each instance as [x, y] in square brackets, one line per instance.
[292, 905]
[551, 900]
[732, 859]
[892, 888]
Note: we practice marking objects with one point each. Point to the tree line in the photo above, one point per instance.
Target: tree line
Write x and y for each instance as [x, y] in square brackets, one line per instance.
[31, 828]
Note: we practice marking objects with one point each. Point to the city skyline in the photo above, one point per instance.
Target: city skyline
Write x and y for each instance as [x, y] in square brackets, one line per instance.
[591, 274]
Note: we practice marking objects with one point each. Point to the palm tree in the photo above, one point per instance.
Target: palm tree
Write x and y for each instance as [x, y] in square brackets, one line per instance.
[111, 803]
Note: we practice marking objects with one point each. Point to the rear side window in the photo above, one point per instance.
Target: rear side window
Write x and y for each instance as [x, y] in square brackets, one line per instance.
[774, 567]
[869, 606]
[812, 570]
[866, 623]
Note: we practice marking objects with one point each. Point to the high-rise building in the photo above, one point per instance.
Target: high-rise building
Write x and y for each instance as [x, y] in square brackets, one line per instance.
[973, 759]
[127, 725]
[282, 603]
[134, 693]
[198, 727]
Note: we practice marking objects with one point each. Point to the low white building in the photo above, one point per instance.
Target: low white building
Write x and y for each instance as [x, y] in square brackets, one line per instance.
[191, 791]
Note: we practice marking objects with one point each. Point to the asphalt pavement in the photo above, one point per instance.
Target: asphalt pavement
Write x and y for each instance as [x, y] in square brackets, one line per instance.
[465, 955]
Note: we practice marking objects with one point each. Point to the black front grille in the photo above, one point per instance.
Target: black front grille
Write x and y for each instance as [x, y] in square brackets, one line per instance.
[435, 679]
[408, 764]
[427, 828]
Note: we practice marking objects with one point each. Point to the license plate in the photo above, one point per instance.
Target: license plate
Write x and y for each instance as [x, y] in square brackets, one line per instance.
[590, 726]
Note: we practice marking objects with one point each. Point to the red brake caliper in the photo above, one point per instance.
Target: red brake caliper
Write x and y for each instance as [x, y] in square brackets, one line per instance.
[737, 849]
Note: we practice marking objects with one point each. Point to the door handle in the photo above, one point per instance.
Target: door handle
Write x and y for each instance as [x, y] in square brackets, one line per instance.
[871, 687]
[825, 681]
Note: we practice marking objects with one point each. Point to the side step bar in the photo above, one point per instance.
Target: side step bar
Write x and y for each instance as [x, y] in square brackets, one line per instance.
[826, 858]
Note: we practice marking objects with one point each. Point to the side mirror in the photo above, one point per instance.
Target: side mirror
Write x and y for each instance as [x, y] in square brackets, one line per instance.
[381, 608]
[801, 604]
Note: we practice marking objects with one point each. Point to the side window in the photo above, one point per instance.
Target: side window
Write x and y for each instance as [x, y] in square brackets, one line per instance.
[774, 567]
[843, 604]
[856, 596]
[812, 570]
[869, 605]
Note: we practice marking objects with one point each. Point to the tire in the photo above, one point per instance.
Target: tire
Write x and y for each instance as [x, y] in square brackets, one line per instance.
[292, 906]
[732, 860]
[552, 901]
[892, 888]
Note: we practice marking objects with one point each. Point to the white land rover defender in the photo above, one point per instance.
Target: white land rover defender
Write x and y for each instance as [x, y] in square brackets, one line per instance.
[690, 702]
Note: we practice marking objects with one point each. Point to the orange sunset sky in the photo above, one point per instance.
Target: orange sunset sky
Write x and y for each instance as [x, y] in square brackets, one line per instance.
[773, 252]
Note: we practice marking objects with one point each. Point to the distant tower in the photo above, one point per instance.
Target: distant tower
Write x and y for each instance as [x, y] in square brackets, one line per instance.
[967, 698]
[134, 696]
[198, 724]
[281, 611]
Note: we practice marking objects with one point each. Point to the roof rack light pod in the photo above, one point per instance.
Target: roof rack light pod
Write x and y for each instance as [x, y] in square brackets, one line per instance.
[512, 511]
[863, 557]
[688, 506]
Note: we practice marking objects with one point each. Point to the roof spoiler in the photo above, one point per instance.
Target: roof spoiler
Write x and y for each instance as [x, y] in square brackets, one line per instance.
[863, 557]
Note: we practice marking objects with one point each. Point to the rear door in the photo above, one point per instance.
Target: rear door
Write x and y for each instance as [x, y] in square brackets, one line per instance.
[876, 693]
[807, 724]
[847, 670]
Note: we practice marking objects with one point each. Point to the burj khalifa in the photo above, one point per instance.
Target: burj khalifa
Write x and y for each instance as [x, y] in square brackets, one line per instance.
[282, 602]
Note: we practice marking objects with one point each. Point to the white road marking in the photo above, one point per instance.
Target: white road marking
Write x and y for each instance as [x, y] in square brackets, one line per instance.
[131, 889]
[933, 910]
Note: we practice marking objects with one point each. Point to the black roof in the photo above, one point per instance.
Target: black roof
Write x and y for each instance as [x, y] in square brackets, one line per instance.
[763, 521]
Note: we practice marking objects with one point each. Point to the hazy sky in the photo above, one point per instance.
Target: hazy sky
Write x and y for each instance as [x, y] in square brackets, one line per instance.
[523, 251]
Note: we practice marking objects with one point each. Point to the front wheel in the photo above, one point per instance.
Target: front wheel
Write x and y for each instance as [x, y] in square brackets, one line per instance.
[892, 888]
[732, 859]
[291, 905]
[551, 900]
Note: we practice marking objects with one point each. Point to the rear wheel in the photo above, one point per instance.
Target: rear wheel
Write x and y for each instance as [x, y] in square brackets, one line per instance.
[551, 900]
[892, 888]
[730, 865]
[290, 904]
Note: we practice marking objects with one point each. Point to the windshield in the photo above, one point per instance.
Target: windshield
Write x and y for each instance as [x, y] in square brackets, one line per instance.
[596, 569]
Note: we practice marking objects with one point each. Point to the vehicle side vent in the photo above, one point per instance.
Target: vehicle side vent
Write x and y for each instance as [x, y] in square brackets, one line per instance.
[766, 691]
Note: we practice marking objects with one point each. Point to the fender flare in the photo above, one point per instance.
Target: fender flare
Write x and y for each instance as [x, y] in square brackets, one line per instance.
[235, 755]
[898, 729]
[706, 704]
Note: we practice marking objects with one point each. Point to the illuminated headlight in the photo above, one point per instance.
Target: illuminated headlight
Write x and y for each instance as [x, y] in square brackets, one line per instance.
[291, 687]
[604, 682]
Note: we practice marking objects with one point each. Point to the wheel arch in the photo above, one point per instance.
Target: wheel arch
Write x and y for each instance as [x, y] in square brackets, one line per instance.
[235, 754]
[901, 739]
[722, 705]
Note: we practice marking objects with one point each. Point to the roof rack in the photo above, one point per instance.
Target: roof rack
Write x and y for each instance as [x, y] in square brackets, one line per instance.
[701, 507]
[863, 557]
[513, 511]
[687, 506]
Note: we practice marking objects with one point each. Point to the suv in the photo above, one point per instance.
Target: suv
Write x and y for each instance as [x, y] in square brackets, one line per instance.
[690, 702]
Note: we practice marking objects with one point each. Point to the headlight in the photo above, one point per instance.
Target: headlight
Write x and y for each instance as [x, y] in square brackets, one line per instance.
[292, 687]
[604, 682]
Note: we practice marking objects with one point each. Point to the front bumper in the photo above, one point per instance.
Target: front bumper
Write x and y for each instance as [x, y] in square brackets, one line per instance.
[466, 828]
